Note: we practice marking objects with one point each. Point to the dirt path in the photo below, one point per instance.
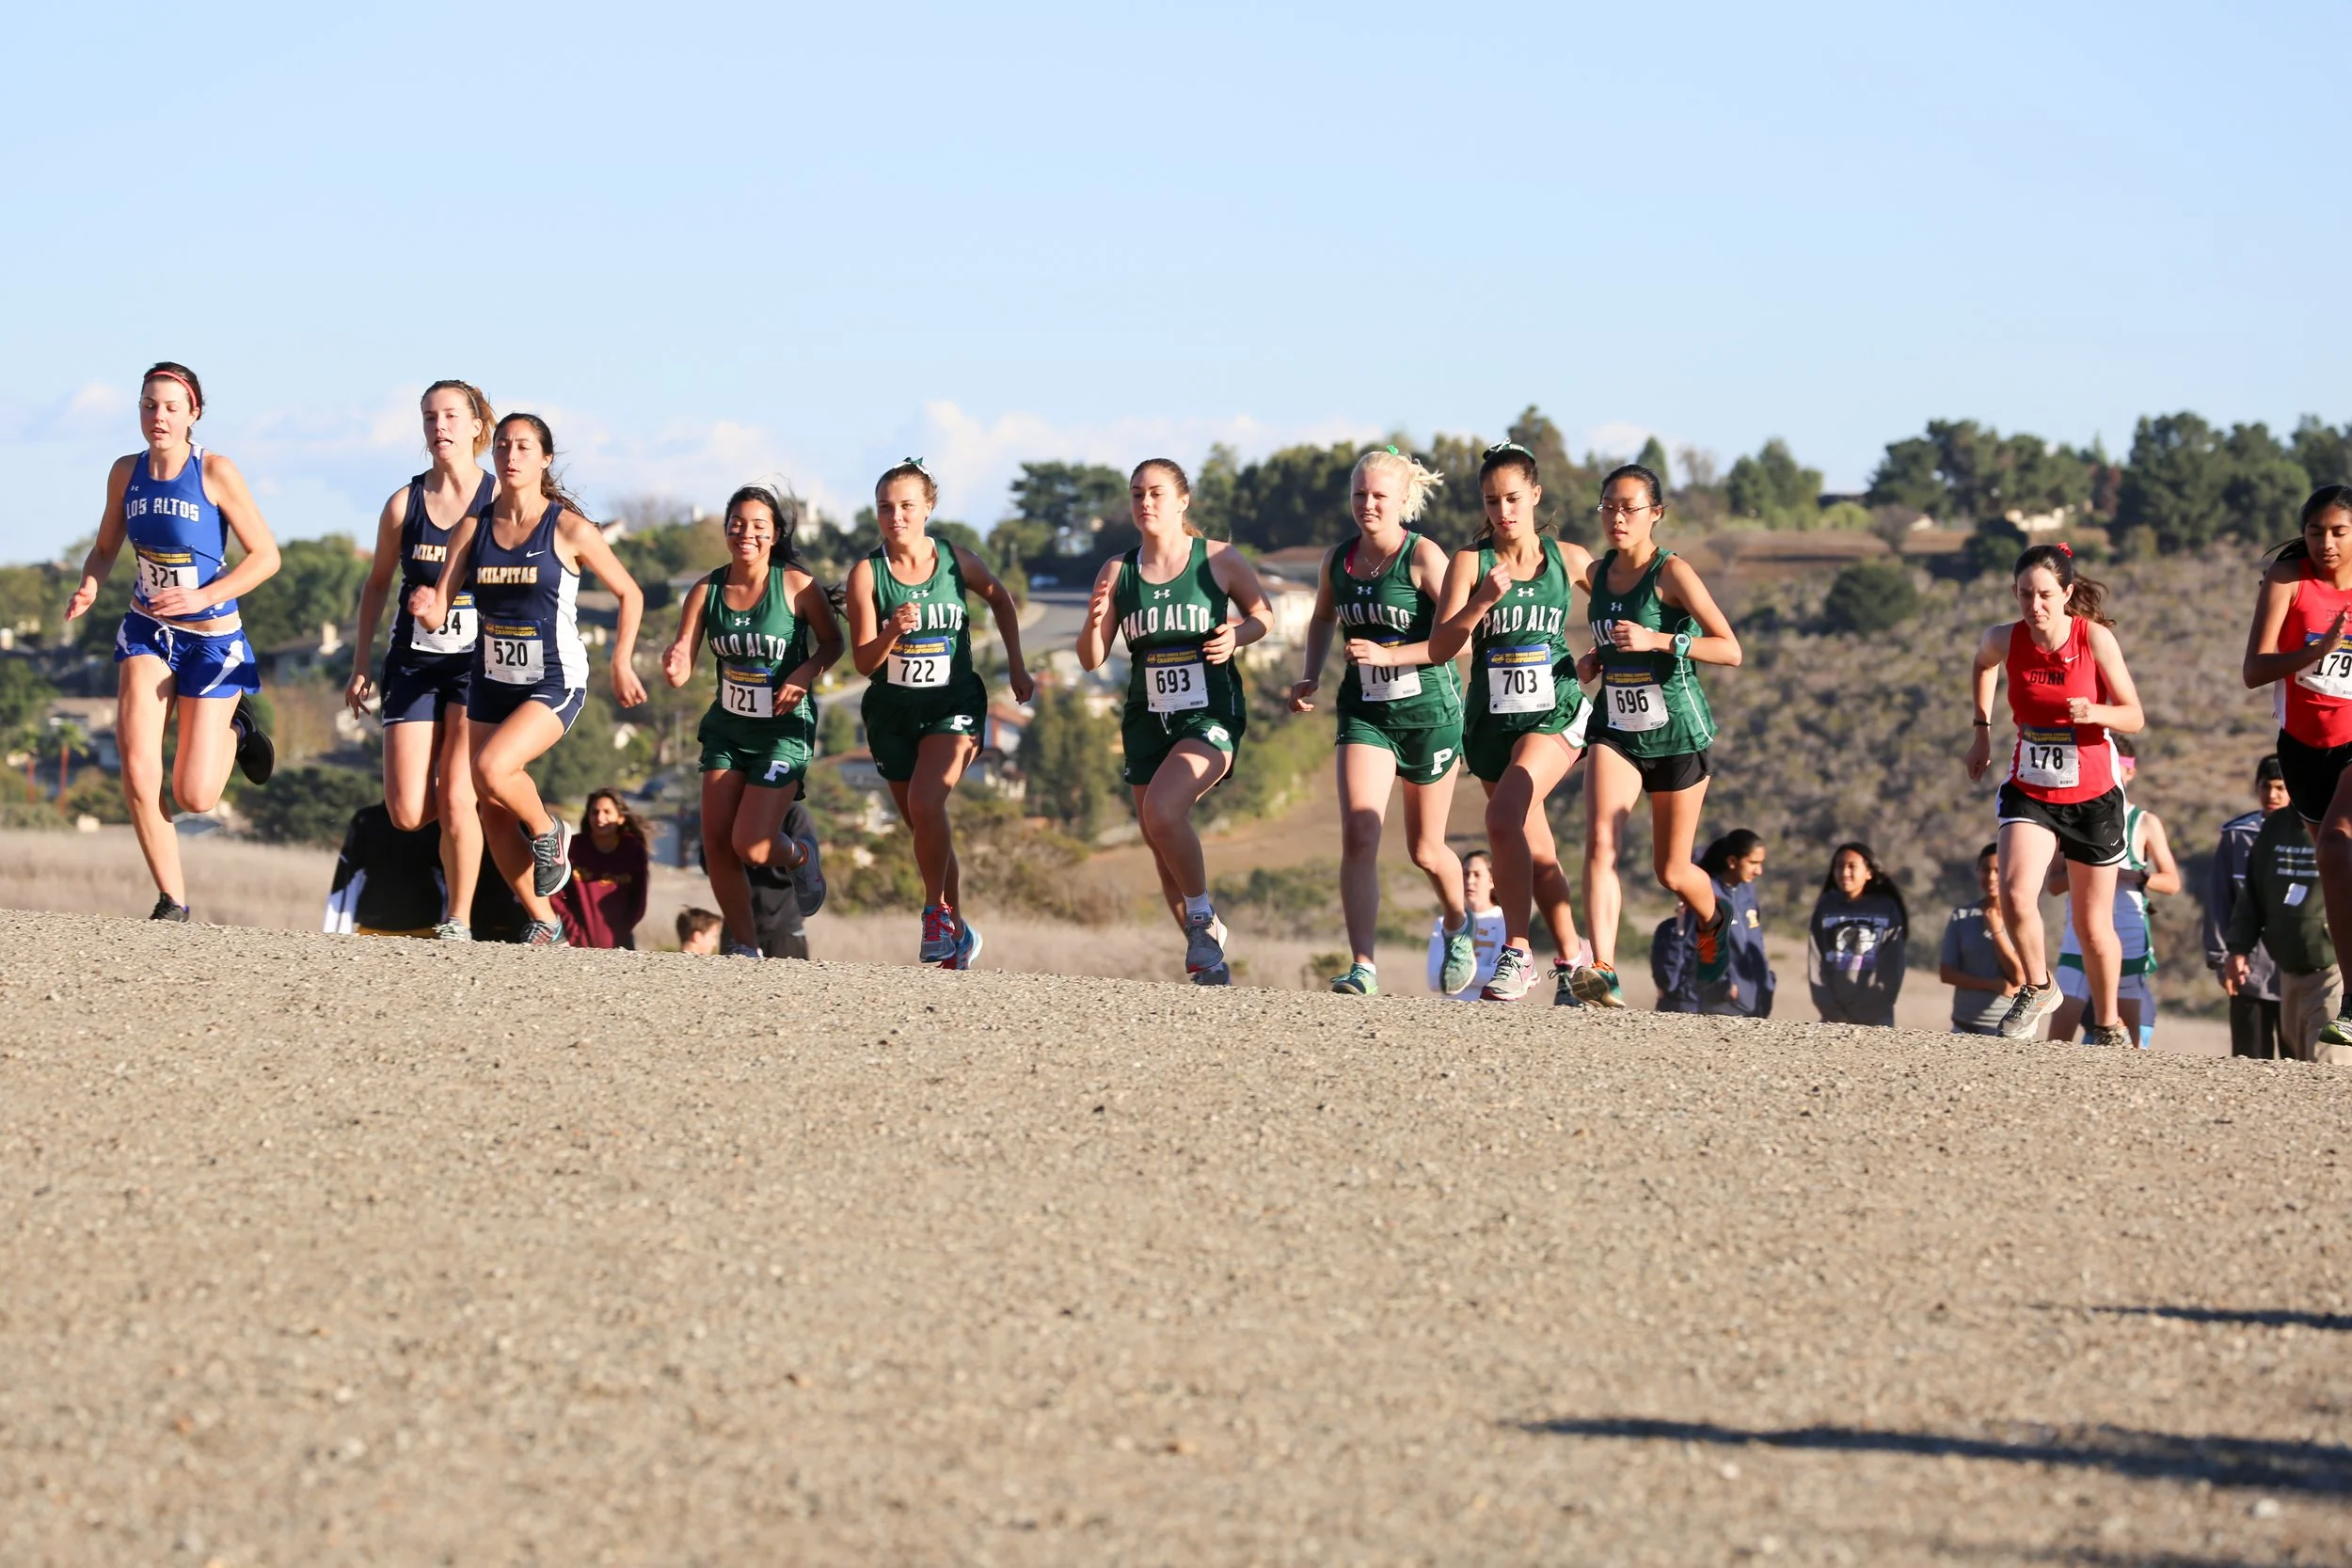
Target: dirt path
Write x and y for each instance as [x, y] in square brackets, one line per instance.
[640, 1258]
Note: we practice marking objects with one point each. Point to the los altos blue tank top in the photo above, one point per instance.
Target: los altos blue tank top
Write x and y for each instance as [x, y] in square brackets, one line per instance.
[176, 532]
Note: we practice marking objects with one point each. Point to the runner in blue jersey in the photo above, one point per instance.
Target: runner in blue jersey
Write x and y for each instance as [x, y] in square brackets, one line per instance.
[428, 765]
[523, 562]
[182, 646]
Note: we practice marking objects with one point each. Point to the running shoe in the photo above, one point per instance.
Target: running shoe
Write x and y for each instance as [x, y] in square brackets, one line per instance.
[452, 930]
[1358, 981]
[552, 859]
[2108, 1033]
[256, 756]
[940, 938]
[2339, 1030]
[165, 909]
[1564, 985]
[2027, 1009]
[808, 877]
[1221, 975]
[1596, 986]
[1461, 961]
[1714, 948]
[968, 945]
[1511, 975]
[544, 933]
[735, 949]
[1205, 947]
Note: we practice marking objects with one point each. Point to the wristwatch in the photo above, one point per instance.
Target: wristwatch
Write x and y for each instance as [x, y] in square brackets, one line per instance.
[1683, 644]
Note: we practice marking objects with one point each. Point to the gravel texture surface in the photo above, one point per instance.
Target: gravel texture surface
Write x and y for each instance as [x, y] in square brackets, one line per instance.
[339, 1251]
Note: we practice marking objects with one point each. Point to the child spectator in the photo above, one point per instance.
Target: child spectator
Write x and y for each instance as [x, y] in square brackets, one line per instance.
[2254, 1002]
[1855, 941]
[1979, 962]
[610, 858]
[698, 932]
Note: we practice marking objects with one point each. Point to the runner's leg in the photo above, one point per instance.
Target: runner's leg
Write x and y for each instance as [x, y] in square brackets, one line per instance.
[143, 694]
[1673, 823]
[2092, 890]
[1367, 775]
[2027, 850]
[208, 749]
[1513, 811]
[461, 815]
[723, 803]
[1426, 810]
[1612, 785]
[1190, 770]
[510, 801]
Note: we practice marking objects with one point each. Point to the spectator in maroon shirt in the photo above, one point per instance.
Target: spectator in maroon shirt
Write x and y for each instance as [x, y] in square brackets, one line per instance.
[606, 897]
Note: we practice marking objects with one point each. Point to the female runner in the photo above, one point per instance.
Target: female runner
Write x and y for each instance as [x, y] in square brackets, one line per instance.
[2068, 687]
[428, 767]
[1653, 620]
[1523, 725]
[182, 645]
[771, 630]
[925, 709]
[1170, 597]
[523, 560]
[2301, 642]
[1399, 714]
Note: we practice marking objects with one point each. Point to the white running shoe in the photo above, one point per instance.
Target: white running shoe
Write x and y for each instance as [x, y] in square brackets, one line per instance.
[2027, 1009]
[1514, 970]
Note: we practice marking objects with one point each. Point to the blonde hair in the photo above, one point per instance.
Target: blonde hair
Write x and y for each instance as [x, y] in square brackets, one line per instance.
[1419, 481]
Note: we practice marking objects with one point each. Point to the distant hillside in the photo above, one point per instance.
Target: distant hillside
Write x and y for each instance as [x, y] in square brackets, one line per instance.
[1827, 737]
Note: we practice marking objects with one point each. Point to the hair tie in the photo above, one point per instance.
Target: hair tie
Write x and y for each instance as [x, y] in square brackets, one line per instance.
[917, 464]
[2066, 549]
[1392, 452]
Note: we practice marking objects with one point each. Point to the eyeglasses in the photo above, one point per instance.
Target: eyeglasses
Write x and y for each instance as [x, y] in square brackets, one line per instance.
[1625, 509]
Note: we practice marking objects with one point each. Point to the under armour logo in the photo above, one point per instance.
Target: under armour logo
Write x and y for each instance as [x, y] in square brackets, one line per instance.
[1161, 593]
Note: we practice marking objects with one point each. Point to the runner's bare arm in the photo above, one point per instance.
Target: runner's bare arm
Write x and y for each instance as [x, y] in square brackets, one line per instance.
[1008, 612]
[809, 597]
[382, 566]
[2265, 662]
[678, 660]
[1094, 633]
[1679, 585]
[870, 638]
[2164, 873]
[1234, 573]
[1320, 624]
[1467, 597]
[593, 554]
[1984, 677]
[112, 530]
[430, 606]
[2123, 715]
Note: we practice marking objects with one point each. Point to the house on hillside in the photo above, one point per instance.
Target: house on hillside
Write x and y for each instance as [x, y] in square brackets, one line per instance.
[326, 653]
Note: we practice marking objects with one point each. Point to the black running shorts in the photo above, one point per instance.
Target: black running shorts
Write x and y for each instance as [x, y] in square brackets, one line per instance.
[2090, 832]
[2311, 774]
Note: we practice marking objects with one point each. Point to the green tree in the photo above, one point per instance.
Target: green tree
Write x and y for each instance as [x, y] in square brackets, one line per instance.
[1456, 516]
[24, 698]
[1081, 506]
[1213, 492]
[1296, 496]
[2262, 498]
[2174, 482]
[658, 552]
[308, 806]
[1653, 457]
[836, 728]
[2325, 453]
[317, 584]
[1773, 487]
[1066, 758]
[1909, 476]
[1870, 596]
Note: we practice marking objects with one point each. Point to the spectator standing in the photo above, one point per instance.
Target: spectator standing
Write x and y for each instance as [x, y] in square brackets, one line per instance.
[1486, 925]
[1736, 861]
[612, 855]
[1979, 962]
[1856, 941]
[2254, 1000]
[2281, 908]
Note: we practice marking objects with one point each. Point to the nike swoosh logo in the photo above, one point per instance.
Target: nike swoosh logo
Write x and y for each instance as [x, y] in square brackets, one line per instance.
[527, 554]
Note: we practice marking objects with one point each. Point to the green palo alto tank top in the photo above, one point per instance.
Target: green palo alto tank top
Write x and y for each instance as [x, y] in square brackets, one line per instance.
[1390, 609]
[1164, 624]
[755, 648]
[935, 658]
[1522, 675]
[1651, 703]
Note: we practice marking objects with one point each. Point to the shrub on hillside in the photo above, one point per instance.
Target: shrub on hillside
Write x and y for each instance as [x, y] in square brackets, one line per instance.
[1870, 596]
[95, 794]
[307, 805]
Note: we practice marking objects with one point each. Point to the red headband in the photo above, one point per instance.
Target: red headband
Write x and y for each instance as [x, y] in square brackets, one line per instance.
[193, 396]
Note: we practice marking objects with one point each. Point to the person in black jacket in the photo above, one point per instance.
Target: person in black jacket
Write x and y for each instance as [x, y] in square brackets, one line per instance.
[1855, 942]
[387, 883]
[2254, 1000]
[1736, 861]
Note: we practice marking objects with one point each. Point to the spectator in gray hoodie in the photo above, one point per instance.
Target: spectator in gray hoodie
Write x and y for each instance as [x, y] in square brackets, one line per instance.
[2254, 1000]
[1855, 942]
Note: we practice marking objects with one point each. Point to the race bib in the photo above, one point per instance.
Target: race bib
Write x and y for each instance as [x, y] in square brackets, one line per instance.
[514, 655]
[1387, 683]
[1634, 704]
[746, 693]
[1519, 678]
[2048, 759]
[456, 634]
[162, 569]
[1175, 680]
[922, 662]
[2331, 676]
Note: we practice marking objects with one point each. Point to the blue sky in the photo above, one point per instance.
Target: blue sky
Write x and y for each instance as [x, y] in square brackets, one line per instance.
[717, 243]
